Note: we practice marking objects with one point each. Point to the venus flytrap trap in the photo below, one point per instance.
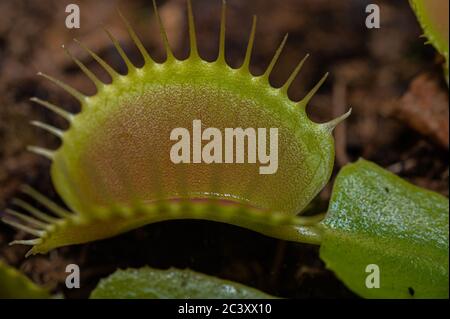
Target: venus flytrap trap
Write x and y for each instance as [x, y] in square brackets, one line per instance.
[114, 168]
[115, 172]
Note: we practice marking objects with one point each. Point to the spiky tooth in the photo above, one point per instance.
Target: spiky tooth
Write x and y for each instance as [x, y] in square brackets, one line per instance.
[41, 151]
[313, 91]
[294, 74]
[52, 107]
[329, 126]
[98, 84]
[33, 211]
[248, 54]
[275, 58]
[192, 34]
[75, 93]
[29, 242]
[112, 73]
[59, 211]
[24, 228]
[221, 56]
[27, 219]
[31, 252]
[162, 30]
[136, 40]
[51, 129]
[130, 66]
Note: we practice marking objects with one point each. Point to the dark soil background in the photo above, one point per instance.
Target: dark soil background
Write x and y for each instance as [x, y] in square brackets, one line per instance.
[393, 82]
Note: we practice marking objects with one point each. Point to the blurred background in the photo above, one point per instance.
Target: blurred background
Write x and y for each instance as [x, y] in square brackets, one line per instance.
[393, 82]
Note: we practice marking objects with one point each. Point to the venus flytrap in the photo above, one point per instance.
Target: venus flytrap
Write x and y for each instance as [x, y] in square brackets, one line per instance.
[114, 166]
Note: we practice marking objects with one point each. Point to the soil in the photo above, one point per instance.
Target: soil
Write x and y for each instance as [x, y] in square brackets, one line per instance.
[393, 82]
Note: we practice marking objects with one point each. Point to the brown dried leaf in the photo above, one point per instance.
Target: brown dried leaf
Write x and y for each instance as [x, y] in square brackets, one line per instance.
[424, 107]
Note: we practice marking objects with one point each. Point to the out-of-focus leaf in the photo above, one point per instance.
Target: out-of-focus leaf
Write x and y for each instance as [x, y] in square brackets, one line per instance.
[375, 217]
[14, 284]
[433, 17]
[148, 283]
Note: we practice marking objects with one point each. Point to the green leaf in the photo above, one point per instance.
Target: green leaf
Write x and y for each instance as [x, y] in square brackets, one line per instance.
[14, 284]
[149, 283]
[433, 18]
[375, 217]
